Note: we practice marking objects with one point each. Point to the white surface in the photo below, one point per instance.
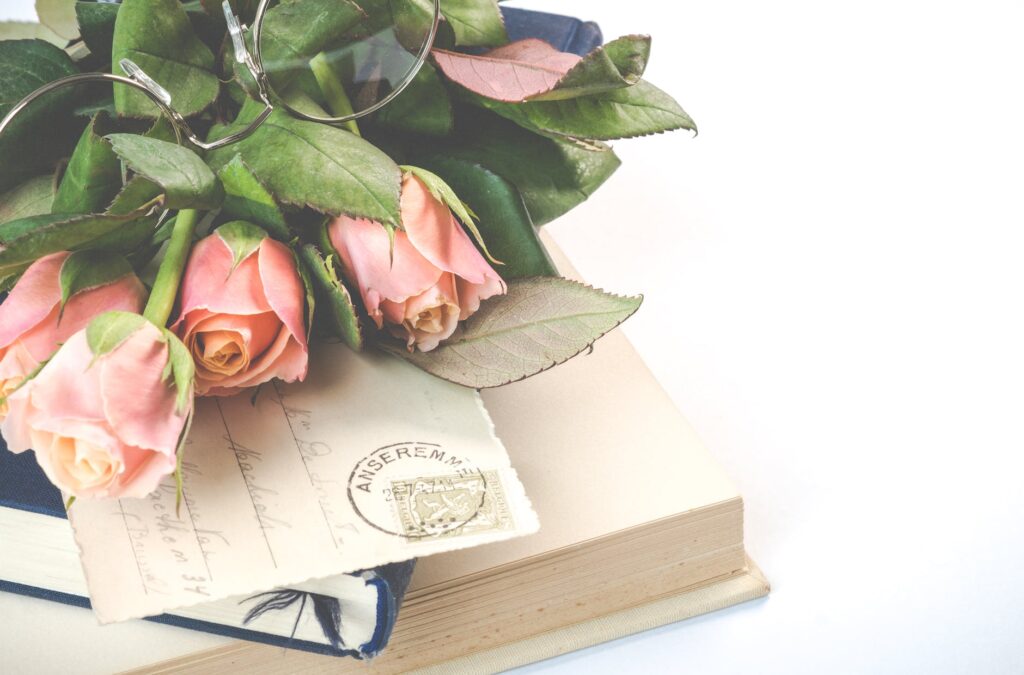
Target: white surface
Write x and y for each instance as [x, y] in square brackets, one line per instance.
[833, 278]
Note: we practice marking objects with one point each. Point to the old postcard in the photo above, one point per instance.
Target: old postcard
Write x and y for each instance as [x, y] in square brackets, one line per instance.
[369, 461]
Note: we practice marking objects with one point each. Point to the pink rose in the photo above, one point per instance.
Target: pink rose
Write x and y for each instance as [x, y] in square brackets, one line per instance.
[105, 420]
[437, 277]
[243, 308]
[32, 325]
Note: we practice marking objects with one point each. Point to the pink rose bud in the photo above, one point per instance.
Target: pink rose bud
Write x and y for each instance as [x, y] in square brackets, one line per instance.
[437, 277]
[105, 416]
[243, 309]
[32, 321]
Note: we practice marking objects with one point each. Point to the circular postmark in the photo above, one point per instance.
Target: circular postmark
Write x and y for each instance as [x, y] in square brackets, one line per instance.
[417, 490]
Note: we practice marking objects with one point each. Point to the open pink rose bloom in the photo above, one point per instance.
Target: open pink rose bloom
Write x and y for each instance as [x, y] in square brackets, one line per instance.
[244, 325]
[32, 325]
[436, 279]
[101, 426]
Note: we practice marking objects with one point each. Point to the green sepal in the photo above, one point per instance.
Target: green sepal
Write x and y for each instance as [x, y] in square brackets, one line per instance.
[186, 180]
[442, 192]
[246, 198]
[334, 295]
[242, 238]
[85, 270]
[504, 220]
[28, 378]
[180, 369]
[69, 503]
[109, 330]
[179, 457]
[307, 286]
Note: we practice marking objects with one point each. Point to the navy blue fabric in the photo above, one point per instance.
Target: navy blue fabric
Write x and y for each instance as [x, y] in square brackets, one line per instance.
[564, 33]
[24, 486]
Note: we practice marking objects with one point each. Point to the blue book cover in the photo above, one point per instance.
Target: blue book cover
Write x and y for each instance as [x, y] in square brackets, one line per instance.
[352, 615]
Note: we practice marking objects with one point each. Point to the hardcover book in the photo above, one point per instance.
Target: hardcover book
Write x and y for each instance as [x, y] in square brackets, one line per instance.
[640, 526]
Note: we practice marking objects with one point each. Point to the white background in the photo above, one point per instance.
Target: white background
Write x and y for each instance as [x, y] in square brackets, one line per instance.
[834, 280]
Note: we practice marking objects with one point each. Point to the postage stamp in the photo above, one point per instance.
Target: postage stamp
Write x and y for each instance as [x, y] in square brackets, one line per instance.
[452, 505]
[421, 490]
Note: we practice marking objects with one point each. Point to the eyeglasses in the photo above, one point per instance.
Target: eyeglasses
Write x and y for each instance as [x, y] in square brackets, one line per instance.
[381, 47]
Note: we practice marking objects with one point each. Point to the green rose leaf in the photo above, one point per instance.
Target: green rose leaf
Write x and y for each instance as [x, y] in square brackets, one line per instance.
[158, 37]
[85, 270]
[553, 176]
[344, 321]
[109, 330]
[532, 69]
[423, 108]
[93, 175]
[639, 110]
[31, 198]
[186, 180]
[242, 238]
[28, 30]
[58, 16]
[469, 23]
[476, 23]
[296, 30]
[25, 240]
[620, 63]
[503, 220]
[40, 133]
[96, 22]
[540, 323]
[245, 198]
[308, 164]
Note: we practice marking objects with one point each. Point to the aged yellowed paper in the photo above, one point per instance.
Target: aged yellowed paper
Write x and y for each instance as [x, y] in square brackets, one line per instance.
[369, 461]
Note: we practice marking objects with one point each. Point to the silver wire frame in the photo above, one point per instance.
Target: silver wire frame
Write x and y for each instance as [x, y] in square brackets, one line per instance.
[253, 62]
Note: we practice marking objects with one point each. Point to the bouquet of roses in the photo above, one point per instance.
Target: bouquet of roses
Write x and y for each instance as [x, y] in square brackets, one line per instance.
[192, 190]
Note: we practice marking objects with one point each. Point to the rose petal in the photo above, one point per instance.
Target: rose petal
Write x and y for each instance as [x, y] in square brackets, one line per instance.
[209, 282]
[286, 360]
[143, 472]
[283, 286]
[437, 236]
[444, 297]
[366, 256]
[138, 402]
[52, 389]
[126, 294]
[470, 295]
[32, 298]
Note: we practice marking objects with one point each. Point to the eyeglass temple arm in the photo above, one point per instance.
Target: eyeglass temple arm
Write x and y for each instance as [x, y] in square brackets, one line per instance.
[242, 56]
[72, 80]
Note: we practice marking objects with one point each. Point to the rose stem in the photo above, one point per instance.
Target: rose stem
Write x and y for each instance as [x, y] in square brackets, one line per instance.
[168, 277]
[333, 91]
